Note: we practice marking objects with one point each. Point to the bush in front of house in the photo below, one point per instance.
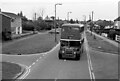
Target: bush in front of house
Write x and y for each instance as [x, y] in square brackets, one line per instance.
[36, 25]
[29, 26]
[112, 34]
[42, 26]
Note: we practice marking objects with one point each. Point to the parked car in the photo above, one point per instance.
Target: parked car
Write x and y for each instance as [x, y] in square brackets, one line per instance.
[53, 32]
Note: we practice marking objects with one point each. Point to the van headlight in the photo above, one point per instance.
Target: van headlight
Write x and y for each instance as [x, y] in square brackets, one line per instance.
[63, 51]
[74, 52]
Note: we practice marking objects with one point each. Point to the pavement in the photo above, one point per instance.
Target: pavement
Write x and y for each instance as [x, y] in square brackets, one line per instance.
[16, 36]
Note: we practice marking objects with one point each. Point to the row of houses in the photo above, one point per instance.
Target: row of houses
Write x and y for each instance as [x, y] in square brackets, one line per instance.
[10, 23]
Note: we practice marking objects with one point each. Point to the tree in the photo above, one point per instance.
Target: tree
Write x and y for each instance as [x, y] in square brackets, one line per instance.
[40, 19]
[52, 17]
[24, 18]
[20, 14]
[41, 12]
[71, 21]
[77, 21]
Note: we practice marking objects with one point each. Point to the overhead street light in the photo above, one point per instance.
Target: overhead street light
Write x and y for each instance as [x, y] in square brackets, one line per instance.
[55, 20]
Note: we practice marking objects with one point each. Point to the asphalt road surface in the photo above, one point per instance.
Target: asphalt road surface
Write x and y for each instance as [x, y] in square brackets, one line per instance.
[50, 67]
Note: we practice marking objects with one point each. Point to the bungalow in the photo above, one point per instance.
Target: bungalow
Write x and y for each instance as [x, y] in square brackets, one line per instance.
[16, 23]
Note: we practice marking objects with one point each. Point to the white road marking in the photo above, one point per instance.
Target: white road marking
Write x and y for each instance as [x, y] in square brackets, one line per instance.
[27, 73]
[92, 76]
[30, 66]
[24, 75]
[37, 60]
[33, 63]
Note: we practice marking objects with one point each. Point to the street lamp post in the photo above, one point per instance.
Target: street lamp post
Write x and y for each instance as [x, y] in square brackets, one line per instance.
[55, 21]
[68, 15]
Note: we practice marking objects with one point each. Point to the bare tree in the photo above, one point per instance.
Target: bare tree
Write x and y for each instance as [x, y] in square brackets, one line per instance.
[41, 12]
[34, 16]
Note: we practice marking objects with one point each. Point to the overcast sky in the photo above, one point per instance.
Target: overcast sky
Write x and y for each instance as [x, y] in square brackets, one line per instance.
[103, 9]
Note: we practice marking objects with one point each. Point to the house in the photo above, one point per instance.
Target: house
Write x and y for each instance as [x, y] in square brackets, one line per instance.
[117, 23]
[5, 26]
[117, 26]
[16, 23]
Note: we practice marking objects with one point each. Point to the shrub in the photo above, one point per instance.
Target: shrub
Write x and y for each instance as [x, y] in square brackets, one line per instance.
[29, 26]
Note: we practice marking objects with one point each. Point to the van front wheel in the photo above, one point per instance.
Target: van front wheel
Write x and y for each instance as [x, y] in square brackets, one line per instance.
[77, 57]
[60, 56]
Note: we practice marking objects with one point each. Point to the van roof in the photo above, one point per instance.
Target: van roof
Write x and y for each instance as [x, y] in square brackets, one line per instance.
[73, 25]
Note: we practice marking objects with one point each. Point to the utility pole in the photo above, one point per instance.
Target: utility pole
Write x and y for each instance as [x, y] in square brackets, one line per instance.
[35, 16]
[93, 24]
[55, 21]
[84, 16]
[92, 15]
[90, 23]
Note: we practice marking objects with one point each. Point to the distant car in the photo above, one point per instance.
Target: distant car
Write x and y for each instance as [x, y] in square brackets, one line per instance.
[53, 32]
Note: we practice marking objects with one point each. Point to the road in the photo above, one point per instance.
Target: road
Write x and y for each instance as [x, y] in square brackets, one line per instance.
[50, 67]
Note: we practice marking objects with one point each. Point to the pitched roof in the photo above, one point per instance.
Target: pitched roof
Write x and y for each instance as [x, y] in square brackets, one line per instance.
[5, 15]
[11, 15]
[117, 19]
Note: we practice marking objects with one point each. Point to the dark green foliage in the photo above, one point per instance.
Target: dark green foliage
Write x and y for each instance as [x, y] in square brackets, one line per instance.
[28, 26]
[71, 21]
[103, 23]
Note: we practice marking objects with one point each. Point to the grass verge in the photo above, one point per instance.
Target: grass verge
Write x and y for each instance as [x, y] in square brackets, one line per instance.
[36, 44]
[9, 70]
[100, 45]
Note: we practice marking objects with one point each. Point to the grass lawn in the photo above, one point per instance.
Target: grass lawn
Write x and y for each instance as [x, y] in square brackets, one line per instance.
[101, 45]
[35, 44]
[9, 70]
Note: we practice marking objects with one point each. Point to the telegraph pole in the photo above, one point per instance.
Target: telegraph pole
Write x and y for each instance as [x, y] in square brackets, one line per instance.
[93, 24]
